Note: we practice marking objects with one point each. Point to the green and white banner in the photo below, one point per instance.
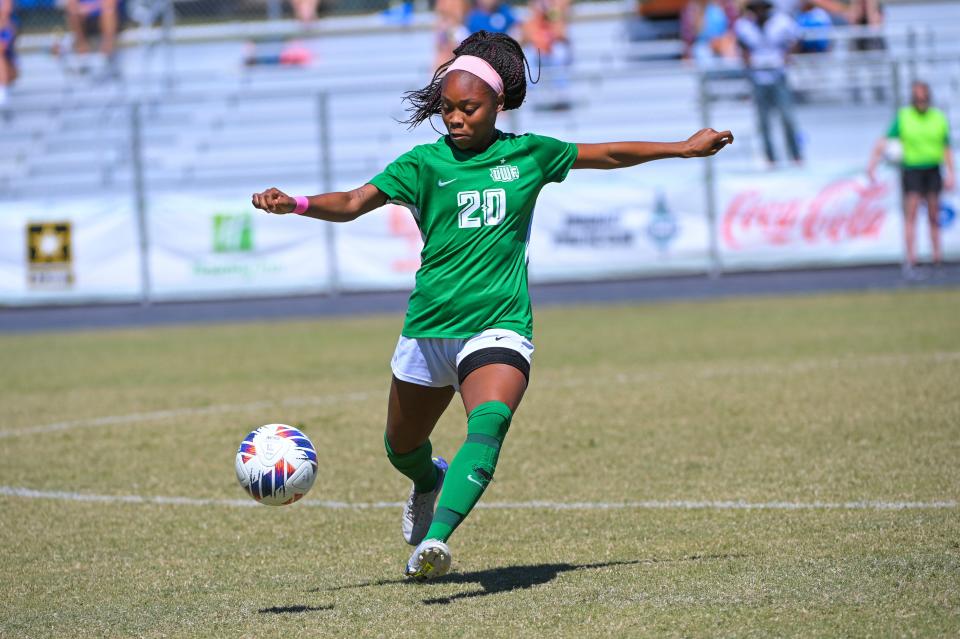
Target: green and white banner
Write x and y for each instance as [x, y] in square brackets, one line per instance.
[214, 245]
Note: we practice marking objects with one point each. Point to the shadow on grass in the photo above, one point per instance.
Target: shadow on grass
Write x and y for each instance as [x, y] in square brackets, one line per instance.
[495, 580]
[286, 610]
[507, 578]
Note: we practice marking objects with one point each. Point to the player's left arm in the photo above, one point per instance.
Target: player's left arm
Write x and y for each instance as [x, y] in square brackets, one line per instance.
[618, 155]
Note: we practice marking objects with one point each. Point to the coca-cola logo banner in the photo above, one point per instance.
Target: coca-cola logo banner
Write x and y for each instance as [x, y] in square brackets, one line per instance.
[841, 211]
[798, 215]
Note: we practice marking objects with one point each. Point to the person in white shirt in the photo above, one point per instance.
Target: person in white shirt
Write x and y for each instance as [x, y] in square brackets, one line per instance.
[766, 38]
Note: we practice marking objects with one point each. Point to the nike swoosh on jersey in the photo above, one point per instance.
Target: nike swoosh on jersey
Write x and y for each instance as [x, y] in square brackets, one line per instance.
[442, 183]
[474, 480]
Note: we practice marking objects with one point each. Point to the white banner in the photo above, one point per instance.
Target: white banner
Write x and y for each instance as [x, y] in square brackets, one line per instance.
[379, 250]
[595, 225]
[605, 224]
[202, 245]
[76, 250]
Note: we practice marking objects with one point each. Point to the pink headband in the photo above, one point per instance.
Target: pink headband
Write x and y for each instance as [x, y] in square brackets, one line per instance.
[480, 68]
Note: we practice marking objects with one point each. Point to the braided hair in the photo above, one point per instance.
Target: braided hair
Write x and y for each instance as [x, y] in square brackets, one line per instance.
[499, 50]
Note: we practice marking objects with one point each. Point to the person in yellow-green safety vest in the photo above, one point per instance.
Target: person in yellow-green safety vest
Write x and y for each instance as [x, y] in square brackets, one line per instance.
[924, 136]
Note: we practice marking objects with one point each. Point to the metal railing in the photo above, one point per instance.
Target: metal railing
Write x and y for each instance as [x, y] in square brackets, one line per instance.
[154, 97]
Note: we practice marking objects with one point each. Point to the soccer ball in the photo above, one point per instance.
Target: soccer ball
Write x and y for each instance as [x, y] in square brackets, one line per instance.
[276, 464]
[893, 152]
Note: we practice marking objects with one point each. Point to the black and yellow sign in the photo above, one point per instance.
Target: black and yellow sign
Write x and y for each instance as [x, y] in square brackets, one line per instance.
[49, 255]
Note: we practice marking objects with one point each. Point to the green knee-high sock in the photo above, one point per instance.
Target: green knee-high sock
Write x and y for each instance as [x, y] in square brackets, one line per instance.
[417, 465]
[472, 469]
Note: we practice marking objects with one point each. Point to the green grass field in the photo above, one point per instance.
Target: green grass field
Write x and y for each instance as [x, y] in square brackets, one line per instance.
[845, 401]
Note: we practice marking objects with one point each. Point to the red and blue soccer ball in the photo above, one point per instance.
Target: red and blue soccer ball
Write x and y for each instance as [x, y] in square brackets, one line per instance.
[276, 464]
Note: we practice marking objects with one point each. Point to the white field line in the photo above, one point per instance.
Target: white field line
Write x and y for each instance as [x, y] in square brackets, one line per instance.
[759, 368]
[674, 504]
[174, 413]
[622, 378]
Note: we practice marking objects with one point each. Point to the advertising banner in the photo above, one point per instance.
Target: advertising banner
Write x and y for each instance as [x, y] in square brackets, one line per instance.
[598, 225]
[379, 250]
[202, 245]
[77, 250]
[595, 225]
[800, 218]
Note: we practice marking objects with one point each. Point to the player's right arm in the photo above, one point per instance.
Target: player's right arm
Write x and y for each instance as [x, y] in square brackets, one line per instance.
[341, 206]
[876, 154]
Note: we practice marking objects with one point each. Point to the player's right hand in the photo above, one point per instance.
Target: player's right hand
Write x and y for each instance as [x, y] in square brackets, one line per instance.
[274, 201]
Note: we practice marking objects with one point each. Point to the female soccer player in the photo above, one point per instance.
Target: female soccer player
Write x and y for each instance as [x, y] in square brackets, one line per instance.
[469, 324]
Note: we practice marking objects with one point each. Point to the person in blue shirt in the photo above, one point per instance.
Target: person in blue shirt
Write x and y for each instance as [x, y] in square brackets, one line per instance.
[492, 16]
[706, 28]
[815, 18]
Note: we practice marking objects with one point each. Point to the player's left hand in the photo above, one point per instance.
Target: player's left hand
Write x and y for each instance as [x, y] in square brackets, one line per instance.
[707, 142]
[949, 181]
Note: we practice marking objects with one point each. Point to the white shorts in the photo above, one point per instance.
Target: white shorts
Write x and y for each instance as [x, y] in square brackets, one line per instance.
[435, 361]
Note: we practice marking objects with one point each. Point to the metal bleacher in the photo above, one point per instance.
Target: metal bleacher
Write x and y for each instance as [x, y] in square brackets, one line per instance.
[193, 116]
[217, 121]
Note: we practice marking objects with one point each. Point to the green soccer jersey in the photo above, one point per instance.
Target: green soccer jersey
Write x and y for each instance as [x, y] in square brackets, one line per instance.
[474, 211]
[925, 136]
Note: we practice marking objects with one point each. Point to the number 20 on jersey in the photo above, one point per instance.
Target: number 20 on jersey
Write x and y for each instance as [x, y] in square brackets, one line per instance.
[481, 209]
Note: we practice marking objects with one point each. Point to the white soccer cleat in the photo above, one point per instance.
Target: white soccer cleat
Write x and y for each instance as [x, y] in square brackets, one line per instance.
[430, 560]
[418, 511]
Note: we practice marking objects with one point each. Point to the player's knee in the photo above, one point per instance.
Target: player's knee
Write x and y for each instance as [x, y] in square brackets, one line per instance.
[491, 419]
[393, 448]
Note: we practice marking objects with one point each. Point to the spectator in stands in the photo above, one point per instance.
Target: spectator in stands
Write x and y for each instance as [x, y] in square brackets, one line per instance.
[305, 10]
[766, 39]
[924, 135]
[492, 16]
[866, 13]
[706, 27]
[814, 18]
[449, 28]
[868, 16]
[789, 7]
[400, 14]
[101, 17]
[545, 30]
[654, 20]
[8, 59]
